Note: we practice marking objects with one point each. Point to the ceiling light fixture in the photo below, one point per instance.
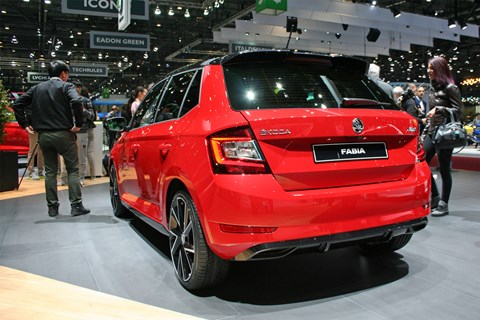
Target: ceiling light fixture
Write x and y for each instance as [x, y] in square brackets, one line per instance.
[396, 13]
[48, 2]
[451, 23]
[187, 13]
[170, 12]
[463, 25]
[157, 10]
[206, 12]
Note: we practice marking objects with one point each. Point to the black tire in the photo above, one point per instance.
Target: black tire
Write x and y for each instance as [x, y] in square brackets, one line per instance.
[118, 209]
[196, 266]
[386, 247]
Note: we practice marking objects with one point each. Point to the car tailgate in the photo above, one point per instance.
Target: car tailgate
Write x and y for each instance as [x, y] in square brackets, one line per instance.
[318, 148]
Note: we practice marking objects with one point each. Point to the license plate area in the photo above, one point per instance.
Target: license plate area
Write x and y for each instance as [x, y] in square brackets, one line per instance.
[349, 151]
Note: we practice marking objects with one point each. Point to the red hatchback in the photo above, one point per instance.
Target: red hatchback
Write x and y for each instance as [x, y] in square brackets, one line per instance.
[15, 138]
[260, 154]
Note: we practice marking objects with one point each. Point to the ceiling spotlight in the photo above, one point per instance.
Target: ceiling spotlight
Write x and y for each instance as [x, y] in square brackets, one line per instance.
[26, 0]
[216, 4]
[14, 40]
[463, 25]
[338, 35]
[451, 23]
[170, 12]
[157, 10]
[187, 13]
[221, 1]
[206, 12]
[48, 1]
[396, 13]
[32, 55]
[53, 54]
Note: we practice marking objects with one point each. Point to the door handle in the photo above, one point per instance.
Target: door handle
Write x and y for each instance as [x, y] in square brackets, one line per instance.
[164, 148]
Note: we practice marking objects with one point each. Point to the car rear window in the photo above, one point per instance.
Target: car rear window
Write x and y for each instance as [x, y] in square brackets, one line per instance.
[298, 84]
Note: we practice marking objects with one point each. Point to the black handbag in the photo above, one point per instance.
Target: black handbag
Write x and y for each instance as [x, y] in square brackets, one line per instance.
[450, 135]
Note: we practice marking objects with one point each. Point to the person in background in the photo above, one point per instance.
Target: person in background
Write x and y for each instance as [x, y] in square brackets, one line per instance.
[374, 75]
[137, 96]
[476, 125]
[444, 96]
[409, 104]
[112, 136]
[397, 95]
[85, 137]
[421, 103]
[53, 108]
[33, 146]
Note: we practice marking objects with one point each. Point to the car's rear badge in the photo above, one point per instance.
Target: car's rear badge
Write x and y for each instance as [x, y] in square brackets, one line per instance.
[411, 129]
[357, 125]
[274, 132]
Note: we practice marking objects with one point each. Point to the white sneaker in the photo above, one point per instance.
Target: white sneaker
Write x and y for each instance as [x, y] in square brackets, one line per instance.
[33, 176]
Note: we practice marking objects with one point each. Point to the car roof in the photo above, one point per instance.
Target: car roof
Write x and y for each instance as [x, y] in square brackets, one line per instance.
[354, 65]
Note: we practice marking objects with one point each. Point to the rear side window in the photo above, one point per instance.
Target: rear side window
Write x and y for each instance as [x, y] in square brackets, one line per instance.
[173, 98]
[295, 84]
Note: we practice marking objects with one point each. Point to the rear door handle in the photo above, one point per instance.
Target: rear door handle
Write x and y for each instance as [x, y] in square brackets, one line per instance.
[164, 148]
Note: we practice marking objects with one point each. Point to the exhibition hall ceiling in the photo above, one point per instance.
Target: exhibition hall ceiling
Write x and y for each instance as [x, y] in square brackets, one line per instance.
[183, 32]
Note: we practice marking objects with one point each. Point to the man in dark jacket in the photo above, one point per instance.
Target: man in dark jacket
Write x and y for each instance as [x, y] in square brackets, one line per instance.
[54, 109]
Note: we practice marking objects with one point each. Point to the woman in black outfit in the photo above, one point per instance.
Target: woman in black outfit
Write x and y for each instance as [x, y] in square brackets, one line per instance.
[444, 96]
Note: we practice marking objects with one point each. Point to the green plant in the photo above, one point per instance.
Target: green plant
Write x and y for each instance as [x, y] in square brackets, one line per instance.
[5, 114]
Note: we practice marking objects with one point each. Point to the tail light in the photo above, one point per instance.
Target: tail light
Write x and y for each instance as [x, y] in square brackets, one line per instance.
[421, 156]
[236, 151]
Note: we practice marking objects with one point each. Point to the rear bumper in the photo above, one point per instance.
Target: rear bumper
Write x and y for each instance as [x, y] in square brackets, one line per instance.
[325, 243]
[259, 201]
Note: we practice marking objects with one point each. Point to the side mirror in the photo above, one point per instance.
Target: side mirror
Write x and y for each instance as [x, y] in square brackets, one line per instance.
[117, 124]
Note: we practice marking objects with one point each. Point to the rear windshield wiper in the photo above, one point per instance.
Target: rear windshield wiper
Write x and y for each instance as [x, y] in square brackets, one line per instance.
[363, 103]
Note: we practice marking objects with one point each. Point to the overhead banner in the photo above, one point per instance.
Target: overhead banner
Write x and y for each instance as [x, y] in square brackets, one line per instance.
[124, 14]
[271, 7]
[119, 41]
[37, 77]
[239, 47]
[105, 8]
[88, 70]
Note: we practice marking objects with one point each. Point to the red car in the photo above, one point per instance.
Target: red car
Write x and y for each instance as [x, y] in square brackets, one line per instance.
[260, 154]
[15, 138]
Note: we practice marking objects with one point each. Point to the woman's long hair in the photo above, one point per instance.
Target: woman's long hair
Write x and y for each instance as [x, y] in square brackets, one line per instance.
[128, 111]
[440, 66]
[134, 95]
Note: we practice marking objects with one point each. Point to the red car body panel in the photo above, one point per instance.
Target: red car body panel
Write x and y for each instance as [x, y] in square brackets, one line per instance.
[299, 197]
[15, 138]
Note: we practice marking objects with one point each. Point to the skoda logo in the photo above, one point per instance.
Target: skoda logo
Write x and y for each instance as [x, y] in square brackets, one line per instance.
[357, 125]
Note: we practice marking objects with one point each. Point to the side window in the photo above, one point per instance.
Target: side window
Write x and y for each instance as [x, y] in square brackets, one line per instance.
[193, 95]
[146, 111]
[174, 95]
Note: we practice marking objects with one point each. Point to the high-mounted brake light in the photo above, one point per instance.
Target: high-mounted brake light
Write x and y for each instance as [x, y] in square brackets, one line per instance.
[235, 151]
